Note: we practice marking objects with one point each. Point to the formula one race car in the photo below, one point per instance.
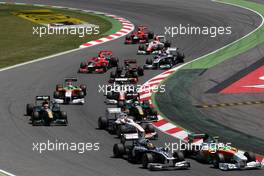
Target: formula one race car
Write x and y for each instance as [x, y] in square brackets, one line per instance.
[140, 35]
[116, 122]
[100, 64]
[70, 93]
[153, 47]
[121, 97]
[44, 112]
[221, 155]
[131, 71]
[140, 111]
[166, 59]
[154, 158]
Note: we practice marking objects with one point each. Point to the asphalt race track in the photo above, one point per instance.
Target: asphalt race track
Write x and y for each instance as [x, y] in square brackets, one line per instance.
[20, 85]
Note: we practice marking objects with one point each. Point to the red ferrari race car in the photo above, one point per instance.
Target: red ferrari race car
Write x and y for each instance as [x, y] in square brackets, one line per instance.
[100, 64]
[140, 35]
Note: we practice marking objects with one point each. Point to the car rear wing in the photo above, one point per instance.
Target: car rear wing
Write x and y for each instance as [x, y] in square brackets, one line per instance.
[141, 27]
[70, 79]
[42, 98]
[123, 80]
[129, 137]
[105, 53]
[130, 61]
[194, 136]
[161, 37]
[135, 94]
[172, 49]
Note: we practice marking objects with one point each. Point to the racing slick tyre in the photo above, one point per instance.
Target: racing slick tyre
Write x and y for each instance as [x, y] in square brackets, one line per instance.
[142, 47]
[179, 156]
[167, 44]
[104, 68]
[146, 159]
[150, 35]
[218, 158]
[83, 65]
[150, 128]
[102, 122]
[135, 75]
[180, 55]
[134, 159]
[64, 116]
[59, 87]
[56, 94]
[112, 74]
[202, 157]
[140, 71]
[250, 156]
[185, 150]
[127, 39]
[29, 109]
[34, 118]
[119, 70]
[179, 58]
[114, 62]
[119, 150]
[149, 61]
[81, 94]
[83, 87]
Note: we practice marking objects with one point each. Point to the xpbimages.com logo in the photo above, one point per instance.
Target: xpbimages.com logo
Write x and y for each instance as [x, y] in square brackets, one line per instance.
[80, 31]
[212, 31]
[51, 146]
[182, 146]
[105, 89]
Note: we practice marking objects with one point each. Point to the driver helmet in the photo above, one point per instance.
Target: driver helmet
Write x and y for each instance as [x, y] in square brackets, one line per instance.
[45, 105]
[156, 38]
[123, 116]
[100, 55]
[136, 102]
[150, 146]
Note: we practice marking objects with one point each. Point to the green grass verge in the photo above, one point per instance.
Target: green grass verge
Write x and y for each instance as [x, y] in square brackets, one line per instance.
[18, 44]
[236, 48]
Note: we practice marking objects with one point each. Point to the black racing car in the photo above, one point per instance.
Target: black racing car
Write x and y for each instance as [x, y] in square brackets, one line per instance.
[141, 111]
[166, 59]
[154, 158]
[131, 71]
[46, 113]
